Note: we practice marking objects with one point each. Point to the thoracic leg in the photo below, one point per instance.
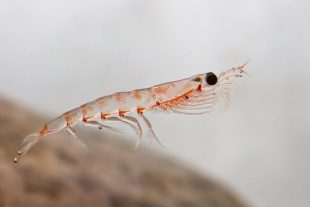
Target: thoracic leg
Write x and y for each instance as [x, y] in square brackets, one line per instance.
[100, 126]
[93, 124]
[150, 129]
[75, 138]
[132, 122]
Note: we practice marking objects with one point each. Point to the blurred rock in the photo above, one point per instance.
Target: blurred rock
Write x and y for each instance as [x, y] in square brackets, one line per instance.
[111, 173]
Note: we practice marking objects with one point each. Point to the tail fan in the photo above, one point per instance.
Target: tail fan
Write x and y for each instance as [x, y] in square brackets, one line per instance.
[27, 143]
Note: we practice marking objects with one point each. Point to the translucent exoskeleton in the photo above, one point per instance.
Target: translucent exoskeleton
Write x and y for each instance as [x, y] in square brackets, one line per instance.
[196, 95]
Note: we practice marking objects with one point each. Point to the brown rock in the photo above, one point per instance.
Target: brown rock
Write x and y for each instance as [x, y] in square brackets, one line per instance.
[111, 173]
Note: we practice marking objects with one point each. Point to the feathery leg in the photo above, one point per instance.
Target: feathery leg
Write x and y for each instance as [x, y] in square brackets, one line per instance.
[150, 128]
[135, 122]
[100, 126]
[75, 138]
[132, 122]
[93, 124]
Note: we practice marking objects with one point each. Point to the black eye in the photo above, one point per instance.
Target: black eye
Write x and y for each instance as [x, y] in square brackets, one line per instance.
[211, 78]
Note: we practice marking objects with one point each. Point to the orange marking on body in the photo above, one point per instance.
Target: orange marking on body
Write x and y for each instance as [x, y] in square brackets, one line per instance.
[44, 130]
[122, 112]
[159, 90]
[197, 79]
[173, 102]
[136, 94]
[152, 95]
[104, 116]
[150, 90]
[163, 89]
[67, 121]
[101, 102]
[88, 118]
[140, 110]
[118, 97]
[85, 109]
[199, 88]
[69, 116]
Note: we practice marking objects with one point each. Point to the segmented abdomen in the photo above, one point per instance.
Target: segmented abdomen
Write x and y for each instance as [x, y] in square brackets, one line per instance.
[124, 102]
